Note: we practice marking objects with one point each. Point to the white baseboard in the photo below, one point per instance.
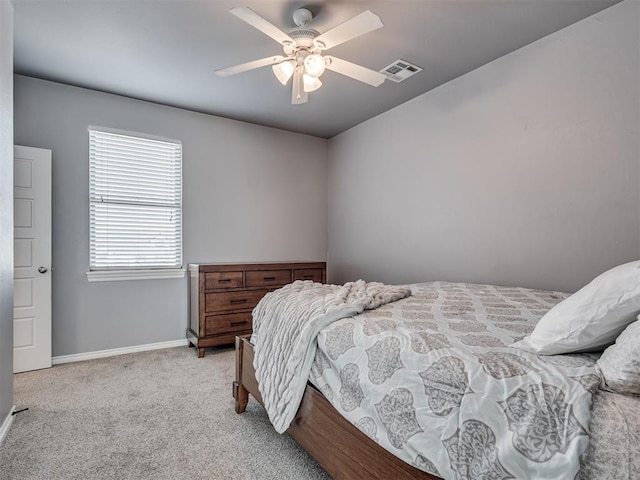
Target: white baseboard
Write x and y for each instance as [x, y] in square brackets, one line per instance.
[6, 425]
[79, 357]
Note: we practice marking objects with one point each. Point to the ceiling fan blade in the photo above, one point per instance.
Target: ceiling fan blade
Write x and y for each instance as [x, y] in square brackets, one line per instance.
[243, 67]
[352, 70]
[256, 21]
[359, 25]
[298, 95]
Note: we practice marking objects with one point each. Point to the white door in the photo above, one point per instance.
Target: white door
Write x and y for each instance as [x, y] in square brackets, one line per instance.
[32, 259]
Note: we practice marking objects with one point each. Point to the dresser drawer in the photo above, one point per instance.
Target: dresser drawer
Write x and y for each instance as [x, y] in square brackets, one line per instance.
[222, 280]
[228, 323]
[268, 278]
[229, 301]
[313, 274]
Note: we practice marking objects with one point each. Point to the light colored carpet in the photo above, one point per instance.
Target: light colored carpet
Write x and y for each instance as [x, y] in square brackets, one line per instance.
[164, 414]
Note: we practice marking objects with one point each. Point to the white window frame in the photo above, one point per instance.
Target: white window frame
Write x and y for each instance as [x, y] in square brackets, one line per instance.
[136, 271]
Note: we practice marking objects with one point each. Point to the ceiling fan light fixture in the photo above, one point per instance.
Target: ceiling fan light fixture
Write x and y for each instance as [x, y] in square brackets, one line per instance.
[303, 49]
[311, 84]
[283, 71]
[314, 65]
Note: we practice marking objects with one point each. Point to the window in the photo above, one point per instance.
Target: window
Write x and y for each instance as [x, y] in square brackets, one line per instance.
[135, 189]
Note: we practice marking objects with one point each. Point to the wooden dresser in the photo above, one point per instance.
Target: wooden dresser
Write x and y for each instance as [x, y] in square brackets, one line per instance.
[223, 295]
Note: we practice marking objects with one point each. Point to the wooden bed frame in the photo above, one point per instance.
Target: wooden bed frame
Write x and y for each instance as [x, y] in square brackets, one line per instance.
[337, 445]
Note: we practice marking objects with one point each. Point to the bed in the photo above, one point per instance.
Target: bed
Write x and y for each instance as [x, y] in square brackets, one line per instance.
[398, 377]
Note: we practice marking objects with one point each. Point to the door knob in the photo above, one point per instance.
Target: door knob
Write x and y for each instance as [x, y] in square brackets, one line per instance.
[42, 269]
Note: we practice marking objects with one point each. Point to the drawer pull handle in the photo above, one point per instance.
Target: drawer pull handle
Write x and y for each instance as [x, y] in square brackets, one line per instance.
[224, 280]
[237, 324]
[240, 300]
[269, 278]
[307, 276]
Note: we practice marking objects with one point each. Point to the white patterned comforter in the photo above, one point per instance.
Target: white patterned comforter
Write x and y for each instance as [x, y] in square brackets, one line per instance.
[286, 323]
[431, 378]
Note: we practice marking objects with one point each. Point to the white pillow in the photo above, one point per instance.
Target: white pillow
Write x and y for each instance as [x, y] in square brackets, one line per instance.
[591, 318]
[619, 365]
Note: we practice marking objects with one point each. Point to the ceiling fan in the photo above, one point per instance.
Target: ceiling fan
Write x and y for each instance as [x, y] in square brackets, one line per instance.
[304, 47]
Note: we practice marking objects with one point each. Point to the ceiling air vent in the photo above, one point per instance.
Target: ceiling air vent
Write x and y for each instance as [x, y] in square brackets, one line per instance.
[400, 70]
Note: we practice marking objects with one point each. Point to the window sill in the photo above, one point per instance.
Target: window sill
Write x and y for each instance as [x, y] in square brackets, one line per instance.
[120, 275]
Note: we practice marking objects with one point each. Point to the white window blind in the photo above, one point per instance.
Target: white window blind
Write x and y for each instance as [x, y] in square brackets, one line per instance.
[135, 188]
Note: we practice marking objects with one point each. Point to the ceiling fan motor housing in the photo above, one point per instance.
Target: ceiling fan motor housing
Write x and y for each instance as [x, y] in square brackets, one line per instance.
[303, 36]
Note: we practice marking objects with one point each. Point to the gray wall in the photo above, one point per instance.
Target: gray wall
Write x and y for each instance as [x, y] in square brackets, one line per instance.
[522, 172]
[6, 209]
[251, 193]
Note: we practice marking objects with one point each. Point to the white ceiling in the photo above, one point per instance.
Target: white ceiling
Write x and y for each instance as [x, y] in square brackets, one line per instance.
[165, 51]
